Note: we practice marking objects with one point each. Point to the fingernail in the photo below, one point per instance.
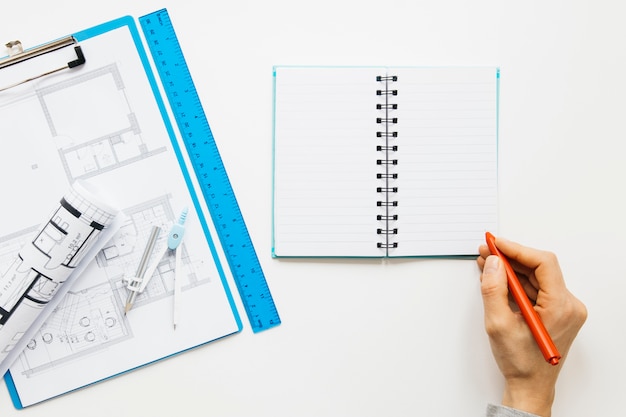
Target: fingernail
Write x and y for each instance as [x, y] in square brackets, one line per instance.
[491, 264]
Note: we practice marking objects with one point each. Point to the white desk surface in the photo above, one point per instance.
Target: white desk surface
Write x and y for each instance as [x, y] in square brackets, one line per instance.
[401, 337]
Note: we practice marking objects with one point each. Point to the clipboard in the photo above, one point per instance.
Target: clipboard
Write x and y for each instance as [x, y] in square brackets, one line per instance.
[95, 113]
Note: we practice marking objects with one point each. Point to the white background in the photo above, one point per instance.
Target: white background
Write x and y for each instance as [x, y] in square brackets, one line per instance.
[401, 337]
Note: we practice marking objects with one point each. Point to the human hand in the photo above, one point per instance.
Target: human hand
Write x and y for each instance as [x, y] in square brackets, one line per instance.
[529, 380]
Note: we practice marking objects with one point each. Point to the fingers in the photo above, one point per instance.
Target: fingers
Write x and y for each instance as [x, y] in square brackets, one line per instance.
[512, 342]
[540, 267]
[483, 251]
[526, 256]
[495, 292]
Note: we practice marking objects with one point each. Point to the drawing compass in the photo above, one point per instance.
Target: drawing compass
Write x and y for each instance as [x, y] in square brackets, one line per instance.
[144, 273]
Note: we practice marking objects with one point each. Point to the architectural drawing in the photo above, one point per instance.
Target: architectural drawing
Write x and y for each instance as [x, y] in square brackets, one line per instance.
[92, 318]
[83, 320]
[104, 145]
[104, 124]
[46, 261]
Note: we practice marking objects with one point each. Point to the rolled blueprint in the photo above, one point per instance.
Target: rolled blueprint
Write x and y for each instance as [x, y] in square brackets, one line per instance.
[38, 274]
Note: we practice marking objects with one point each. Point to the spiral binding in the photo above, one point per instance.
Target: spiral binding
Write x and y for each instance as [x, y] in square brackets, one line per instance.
[392, 176]
[392, 217]
[387, 160]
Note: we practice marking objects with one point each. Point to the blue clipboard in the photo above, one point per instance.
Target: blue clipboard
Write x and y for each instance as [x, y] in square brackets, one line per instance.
[231, 323]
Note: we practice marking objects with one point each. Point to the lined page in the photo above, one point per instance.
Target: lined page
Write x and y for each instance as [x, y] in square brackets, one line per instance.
[325, 162]
[447, 159]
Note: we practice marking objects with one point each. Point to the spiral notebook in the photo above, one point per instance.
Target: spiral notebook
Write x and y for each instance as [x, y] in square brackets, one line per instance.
[384, 162]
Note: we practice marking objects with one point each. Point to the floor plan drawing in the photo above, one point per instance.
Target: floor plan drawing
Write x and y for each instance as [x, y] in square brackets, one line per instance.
[105, 124]
[106, 145]
[121, 256]
[41, 267]
[92, 318]
[85, 320]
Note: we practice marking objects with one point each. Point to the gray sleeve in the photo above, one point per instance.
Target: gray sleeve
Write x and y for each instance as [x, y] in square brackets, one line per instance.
[502, 411]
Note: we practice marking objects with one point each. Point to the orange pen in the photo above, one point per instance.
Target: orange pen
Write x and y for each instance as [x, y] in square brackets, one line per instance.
[543, 339]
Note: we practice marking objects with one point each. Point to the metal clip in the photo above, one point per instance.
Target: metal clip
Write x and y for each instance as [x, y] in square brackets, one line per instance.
[17, 54]
[14, 47]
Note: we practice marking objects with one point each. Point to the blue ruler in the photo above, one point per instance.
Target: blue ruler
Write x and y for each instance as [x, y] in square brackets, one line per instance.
[210, 171]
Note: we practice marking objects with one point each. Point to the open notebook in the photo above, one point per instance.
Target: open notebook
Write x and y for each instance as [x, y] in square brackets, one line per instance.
[381, 161]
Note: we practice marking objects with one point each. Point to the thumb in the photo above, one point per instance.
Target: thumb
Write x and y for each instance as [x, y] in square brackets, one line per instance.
[494, 289]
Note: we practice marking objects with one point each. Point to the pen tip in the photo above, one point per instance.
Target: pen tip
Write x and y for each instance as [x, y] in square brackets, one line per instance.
[127, 308]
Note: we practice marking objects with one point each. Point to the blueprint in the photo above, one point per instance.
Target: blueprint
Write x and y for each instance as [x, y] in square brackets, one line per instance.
[43, 267]
[101, 124]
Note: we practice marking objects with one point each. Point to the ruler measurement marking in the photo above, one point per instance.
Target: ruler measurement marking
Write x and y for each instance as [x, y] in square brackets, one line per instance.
[210, 171]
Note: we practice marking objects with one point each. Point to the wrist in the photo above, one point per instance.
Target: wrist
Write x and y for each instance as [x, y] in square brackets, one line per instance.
[529, 397]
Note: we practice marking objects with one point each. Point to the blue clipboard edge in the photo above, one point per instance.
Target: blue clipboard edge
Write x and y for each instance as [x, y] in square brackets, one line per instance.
[8, 380]
[130, 23]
